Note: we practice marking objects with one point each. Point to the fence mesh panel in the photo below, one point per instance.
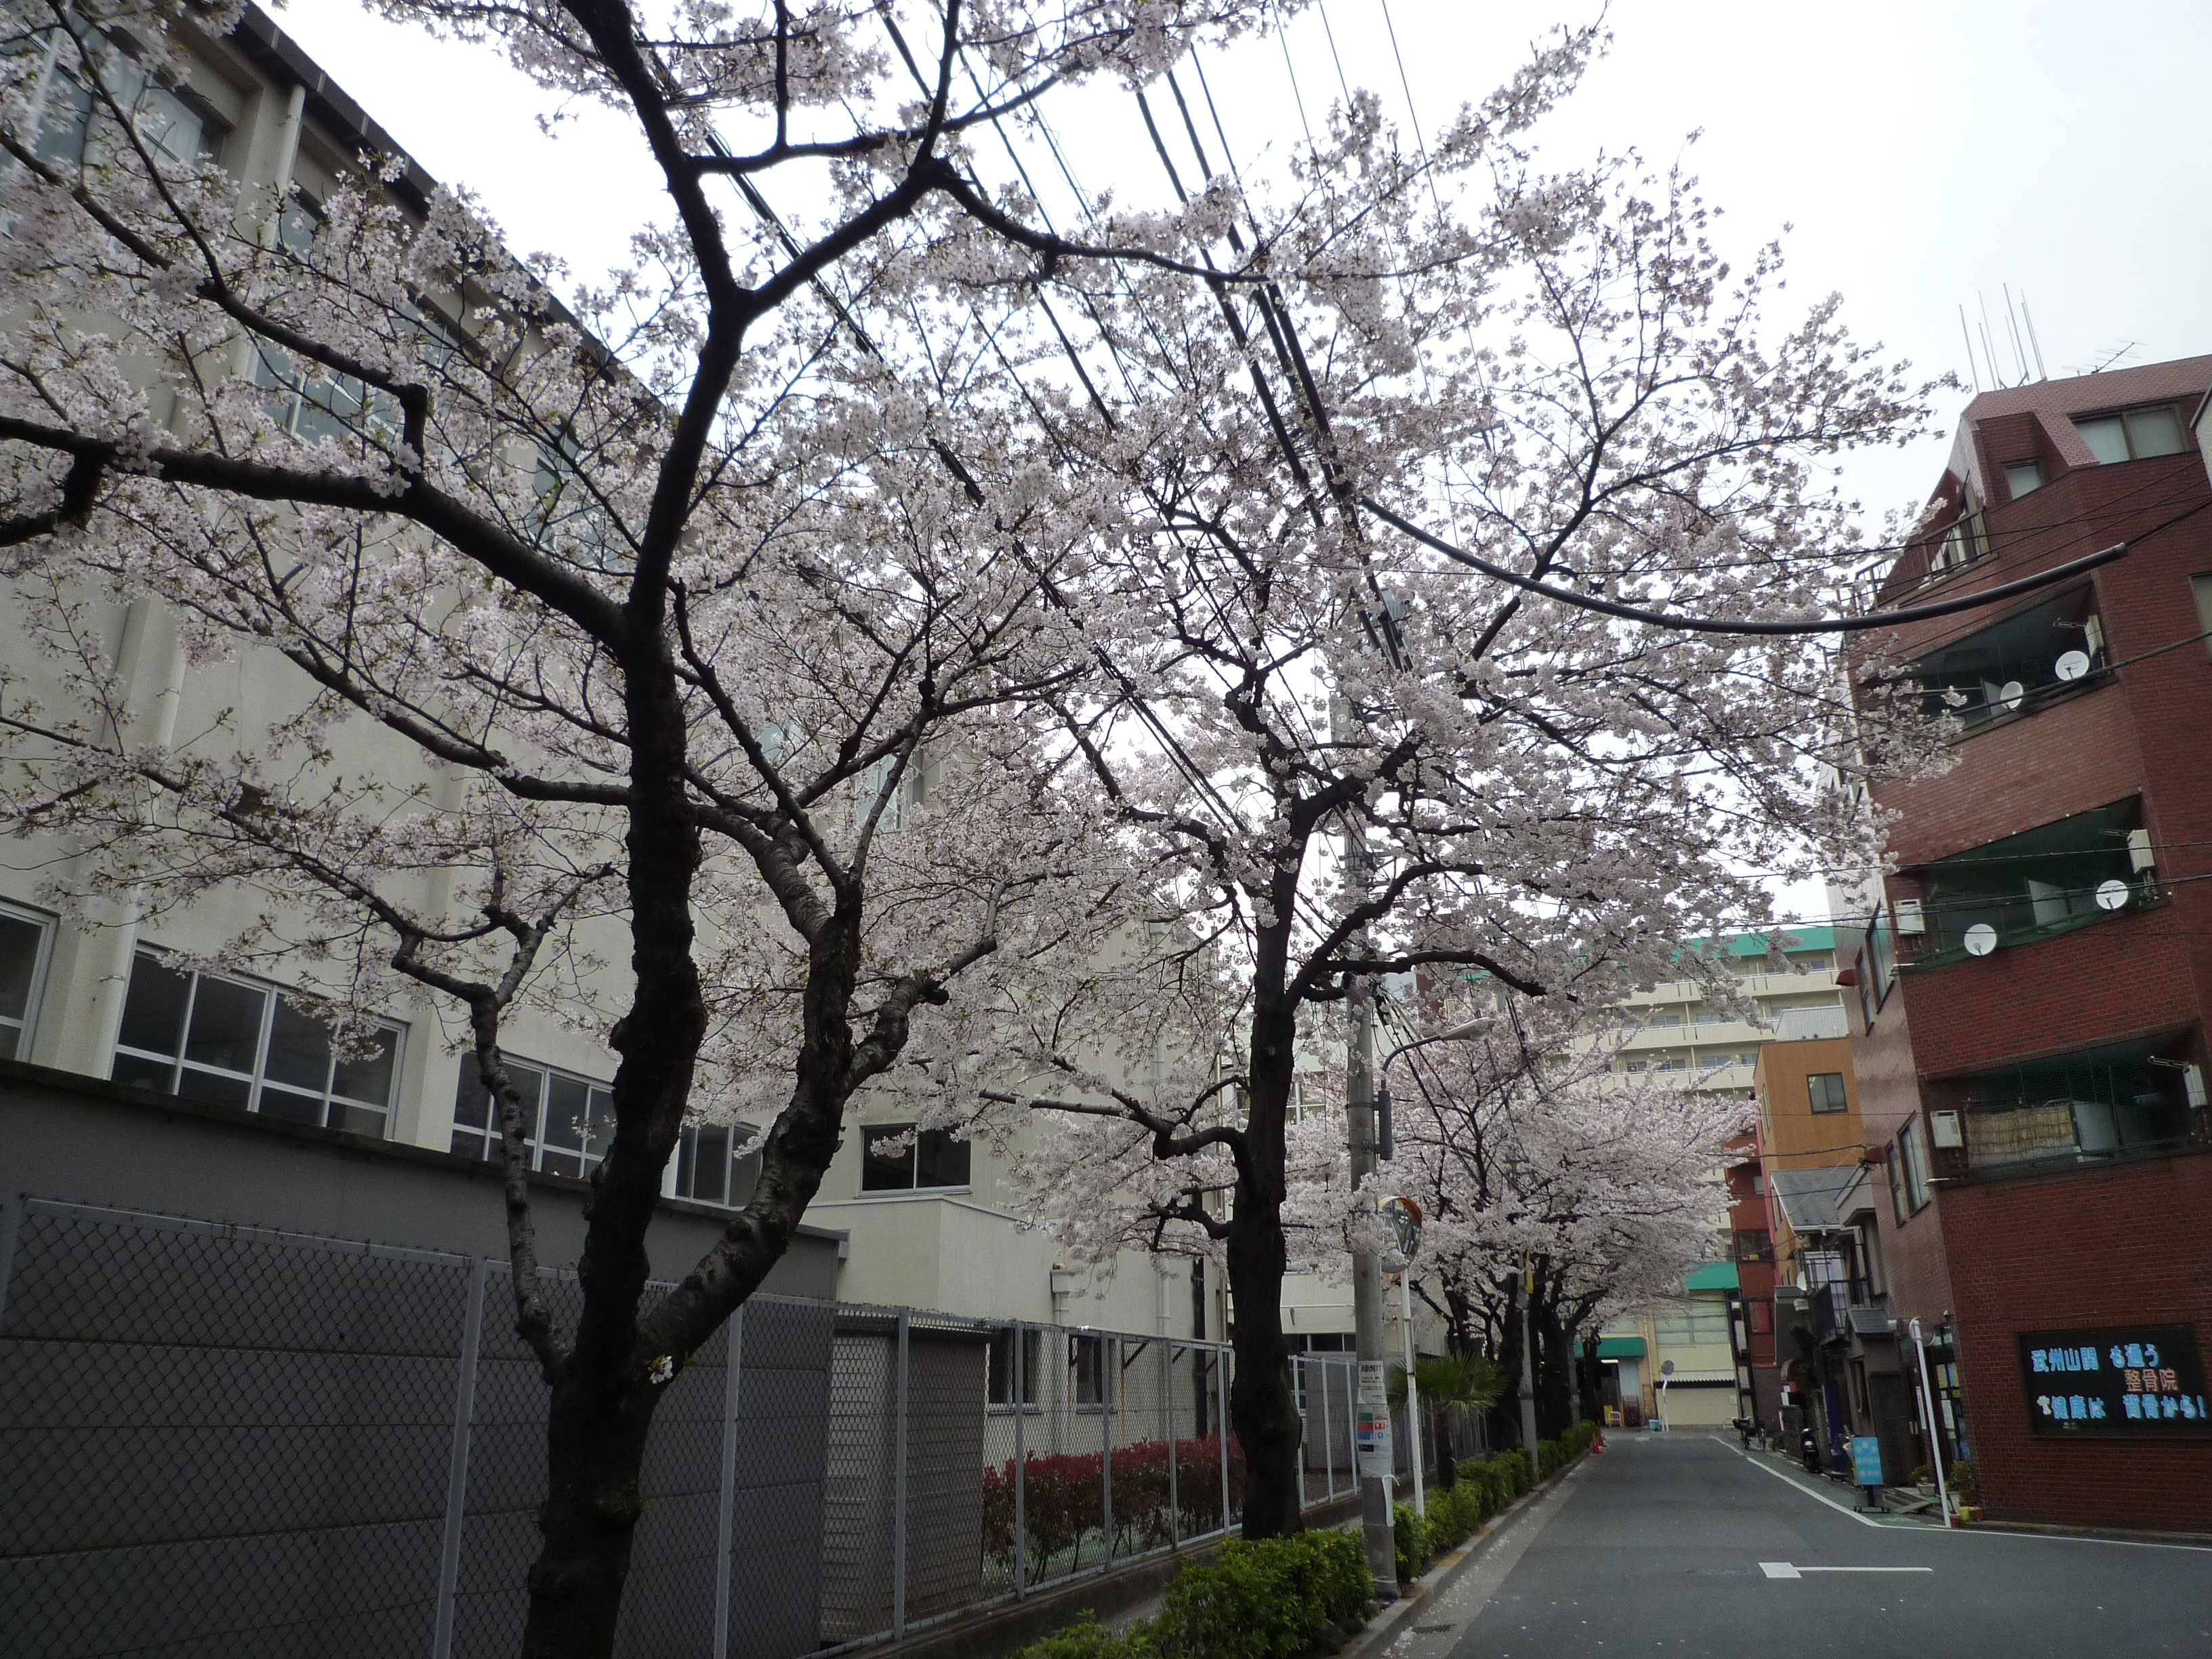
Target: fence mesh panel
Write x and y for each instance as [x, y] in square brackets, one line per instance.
[221, 1443]
[217, 1442]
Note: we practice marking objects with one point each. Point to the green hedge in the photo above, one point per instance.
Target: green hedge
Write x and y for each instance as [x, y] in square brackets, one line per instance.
[1485, 1487]
[1263, 1600]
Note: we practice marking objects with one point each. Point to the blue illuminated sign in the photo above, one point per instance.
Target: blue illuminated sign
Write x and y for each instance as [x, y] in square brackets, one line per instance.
[2134, 1382]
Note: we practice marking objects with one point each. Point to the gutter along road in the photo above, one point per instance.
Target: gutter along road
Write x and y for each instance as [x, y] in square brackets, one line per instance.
[1684, 1544]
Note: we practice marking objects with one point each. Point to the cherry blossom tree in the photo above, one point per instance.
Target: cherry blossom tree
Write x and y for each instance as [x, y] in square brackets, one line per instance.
[1557, 1192]
[867, 494]
[677, 659]
[1346, 756]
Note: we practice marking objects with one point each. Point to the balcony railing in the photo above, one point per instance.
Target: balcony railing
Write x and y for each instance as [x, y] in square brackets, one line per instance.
[2062, 1133]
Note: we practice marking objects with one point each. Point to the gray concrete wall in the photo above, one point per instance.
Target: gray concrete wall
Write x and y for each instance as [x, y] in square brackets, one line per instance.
[89, 1141]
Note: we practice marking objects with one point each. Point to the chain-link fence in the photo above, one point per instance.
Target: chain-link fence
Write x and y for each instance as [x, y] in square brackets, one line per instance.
[225, 1442]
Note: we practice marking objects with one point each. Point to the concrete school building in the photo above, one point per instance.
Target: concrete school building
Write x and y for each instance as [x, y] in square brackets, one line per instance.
[112, 1000]
[2031, 985]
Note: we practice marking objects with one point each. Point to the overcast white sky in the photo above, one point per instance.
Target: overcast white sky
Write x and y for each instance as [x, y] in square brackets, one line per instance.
[1923, 156]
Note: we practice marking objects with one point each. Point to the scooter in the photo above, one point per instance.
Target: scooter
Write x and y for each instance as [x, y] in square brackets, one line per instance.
[1808, 1448]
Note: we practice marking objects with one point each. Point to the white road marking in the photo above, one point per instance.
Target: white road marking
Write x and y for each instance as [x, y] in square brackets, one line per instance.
[1818, 1497]
[1777, 1569]
[1786, 1570]
[1948, 1531]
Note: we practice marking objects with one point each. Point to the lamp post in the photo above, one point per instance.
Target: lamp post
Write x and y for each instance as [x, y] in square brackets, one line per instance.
[1386, 1139]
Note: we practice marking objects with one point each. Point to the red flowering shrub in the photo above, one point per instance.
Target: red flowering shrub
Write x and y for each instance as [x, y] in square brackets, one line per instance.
[1063, 1499]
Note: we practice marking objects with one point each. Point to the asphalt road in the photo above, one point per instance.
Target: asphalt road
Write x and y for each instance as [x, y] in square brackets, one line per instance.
[1659, 1547]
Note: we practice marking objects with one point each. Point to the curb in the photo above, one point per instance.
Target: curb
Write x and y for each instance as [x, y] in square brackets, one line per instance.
[1380, 1631]
[2180, 1541]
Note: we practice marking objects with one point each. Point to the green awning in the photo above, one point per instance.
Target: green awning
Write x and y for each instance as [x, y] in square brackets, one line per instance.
[1620, 1347]
[1713, 1276]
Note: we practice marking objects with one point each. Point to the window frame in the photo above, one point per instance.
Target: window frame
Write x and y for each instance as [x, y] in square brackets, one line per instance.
[739, 1138]
[42, 955]
[1092, 1373]
[1881, 954]
[1912, 1145]
[2123, 420]
[1842, 1102]
[589, 1151]
[257, 1081]
[943, 1141]
[2033, 464]
[998, 1367]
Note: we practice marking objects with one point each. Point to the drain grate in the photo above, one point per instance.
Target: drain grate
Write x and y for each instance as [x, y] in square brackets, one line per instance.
[1431, 1630]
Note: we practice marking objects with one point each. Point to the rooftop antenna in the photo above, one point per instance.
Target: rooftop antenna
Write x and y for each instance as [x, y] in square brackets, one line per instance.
[1967, 335]
[2041, 373]
[2012, 322]
[1989, 348]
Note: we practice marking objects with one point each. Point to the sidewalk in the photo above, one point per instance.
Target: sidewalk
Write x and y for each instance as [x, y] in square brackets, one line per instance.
[1511, 1527]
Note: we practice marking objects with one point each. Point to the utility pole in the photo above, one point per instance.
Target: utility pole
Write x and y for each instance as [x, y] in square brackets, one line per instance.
[1521, 1288]
[1373, 1453]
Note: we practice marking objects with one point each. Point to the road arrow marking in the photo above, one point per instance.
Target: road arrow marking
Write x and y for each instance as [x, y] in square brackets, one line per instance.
[1786, 1570]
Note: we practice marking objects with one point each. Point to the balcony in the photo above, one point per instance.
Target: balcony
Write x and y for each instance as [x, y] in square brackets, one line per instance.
[2036, 885]
[2016, 665]
[2092, 1107]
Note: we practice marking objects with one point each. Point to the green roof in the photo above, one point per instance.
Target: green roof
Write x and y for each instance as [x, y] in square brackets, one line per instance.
[1712, 1276]
[1620, 1347]
[1793, 938]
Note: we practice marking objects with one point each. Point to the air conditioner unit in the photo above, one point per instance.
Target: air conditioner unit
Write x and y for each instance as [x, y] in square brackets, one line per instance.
[1910, 919]
[1944, 1129]
[2139, 857]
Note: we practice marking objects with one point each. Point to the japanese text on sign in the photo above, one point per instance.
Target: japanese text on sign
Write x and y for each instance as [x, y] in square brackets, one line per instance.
[2144, 1381]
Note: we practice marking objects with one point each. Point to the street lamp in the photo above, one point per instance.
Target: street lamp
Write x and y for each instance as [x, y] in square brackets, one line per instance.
[1367, 1315]
[1386, 1146]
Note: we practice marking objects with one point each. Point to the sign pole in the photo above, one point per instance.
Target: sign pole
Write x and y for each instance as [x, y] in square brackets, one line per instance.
[1413, 1391]
[1934, 1433]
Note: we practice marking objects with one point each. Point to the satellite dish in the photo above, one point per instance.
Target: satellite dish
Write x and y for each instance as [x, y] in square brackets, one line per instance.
[2112, 895]
[2073, 665]
[1981, 939]
[2011, 696]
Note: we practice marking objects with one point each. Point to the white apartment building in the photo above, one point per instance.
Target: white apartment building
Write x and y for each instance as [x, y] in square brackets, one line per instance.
[1676, 1028]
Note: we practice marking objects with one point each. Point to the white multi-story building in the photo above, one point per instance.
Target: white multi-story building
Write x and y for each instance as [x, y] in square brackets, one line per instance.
[116, 997]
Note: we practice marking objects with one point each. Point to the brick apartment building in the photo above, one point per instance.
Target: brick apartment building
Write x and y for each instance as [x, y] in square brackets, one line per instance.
[2029, 1006]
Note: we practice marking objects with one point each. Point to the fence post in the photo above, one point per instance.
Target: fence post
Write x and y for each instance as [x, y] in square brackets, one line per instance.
[1352, 1421]
[11, 1222]
[457, 1466]
[1109, 1379]
[1298, 1394]
[725, 1516]
[1327, 1429]
[898, 1489]
[1175, 1498]
[1021, 1395]
[1221, 1412]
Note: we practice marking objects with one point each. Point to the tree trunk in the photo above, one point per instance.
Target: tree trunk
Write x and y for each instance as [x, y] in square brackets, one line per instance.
[1505, 1415]
[1263, 1405]
[595, 1446]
